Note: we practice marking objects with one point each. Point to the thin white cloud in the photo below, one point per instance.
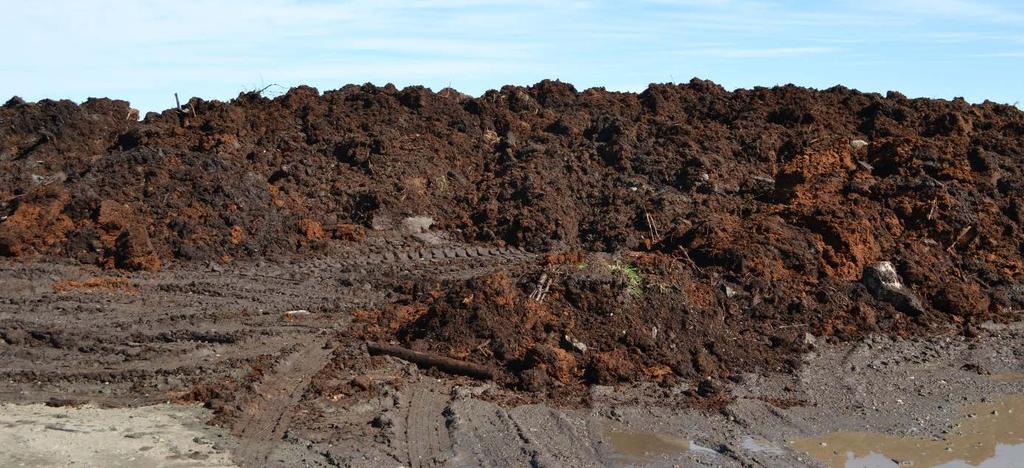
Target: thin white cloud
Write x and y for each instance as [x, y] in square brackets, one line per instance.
[960, 9]
[747, 53]
[146, 49]
[435, 46]
[1011, 54]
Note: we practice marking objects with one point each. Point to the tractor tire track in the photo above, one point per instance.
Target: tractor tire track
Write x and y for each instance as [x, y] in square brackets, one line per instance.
[266, 416]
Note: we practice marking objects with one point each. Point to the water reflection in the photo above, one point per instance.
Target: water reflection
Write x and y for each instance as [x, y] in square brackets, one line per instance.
[989, 434]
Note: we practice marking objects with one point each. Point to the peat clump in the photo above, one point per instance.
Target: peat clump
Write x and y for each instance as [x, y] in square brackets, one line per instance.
[737, 222]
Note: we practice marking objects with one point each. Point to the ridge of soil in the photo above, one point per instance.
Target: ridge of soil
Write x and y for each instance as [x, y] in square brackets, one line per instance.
[685, 232]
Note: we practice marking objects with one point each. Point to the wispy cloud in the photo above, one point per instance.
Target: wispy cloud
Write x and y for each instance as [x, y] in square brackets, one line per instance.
[1012, 54]
[147, 49]
[746, 53]
[961, 9]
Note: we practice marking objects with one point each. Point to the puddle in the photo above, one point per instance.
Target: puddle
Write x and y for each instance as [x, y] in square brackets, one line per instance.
[759, 445]
[1007, 376]
[989, 434]
[647, 445]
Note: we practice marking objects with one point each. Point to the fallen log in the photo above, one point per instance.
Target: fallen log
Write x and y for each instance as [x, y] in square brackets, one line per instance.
[428, 360]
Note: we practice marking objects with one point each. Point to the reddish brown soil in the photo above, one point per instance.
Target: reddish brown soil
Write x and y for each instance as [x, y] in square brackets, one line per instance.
[748, 217]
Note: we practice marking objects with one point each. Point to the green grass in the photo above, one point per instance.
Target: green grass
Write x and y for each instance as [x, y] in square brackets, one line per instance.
[634, 284]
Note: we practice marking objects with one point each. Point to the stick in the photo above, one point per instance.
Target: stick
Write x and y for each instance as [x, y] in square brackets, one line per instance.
[260, 92]
[650, 224]
[963, 232]
[445, 364]
[177, 103]
[541, 291]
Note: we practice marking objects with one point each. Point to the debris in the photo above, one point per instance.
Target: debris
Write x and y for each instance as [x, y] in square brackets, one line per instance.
[417, 224]
[297, 314]
[959, 237]
[651, 225]
[541, 290]
[858, 144]
[574, 343]
[429, 360]
[885, 284]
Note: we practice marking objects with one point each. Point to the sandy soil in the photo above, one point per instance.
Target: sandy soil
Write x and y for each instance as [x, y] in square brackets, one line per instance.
[163, 435]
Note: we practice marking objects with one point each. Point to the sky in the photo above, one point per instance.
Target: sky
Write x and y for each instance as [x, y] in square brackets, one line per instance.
[144, 51]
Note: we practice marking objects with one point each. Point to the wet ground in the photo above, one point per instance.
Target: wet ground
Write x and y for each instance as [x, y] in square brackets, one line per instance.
[259, 345]
[989, 434]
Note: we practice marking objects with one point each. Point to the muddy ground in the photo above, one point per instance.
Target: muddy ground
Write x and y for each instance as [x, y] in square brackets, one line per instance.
[668, 247]
[284, 389]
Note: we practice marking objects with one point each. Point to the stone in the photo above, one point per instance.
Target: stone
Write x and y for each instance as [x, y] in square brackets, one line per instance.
[708, 387]
[885, 284]
[417, 224]
[575, 344]
[383, 421]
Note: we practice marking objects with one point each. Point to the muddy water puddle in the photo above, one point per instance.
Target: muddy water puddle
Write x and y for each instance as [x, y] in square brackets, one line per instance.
[1007, 377]
[988, 434]
[651, 445]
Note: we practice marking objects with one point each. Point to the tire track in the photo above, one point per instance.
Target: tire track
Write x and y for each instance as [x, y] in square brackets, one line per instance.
[428, 442]
[411, 256]
[266, 416]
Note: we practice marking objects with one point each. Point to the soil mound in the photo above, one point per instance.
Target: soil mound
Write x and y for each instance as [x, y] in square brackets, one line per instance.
[739, 225]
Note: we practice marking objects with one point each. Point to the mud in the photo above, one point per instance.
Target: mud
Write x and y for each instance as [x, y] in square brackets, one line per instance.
[671, 245]
[645, 445]
[990, 433]
[163, 435]
[288, 388]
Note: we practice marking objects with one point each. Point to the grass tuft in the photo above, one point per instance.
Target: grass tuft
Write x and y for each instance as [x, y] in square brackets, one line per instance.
[634, 284]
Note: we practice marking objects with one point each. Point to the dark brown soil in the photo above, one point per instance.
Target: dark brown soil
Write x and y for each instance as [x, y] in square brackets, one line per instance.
[689, 232]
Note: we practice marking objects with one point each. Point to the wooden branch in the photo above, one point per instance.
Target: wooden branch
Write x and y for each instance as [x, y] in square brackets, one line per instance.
[428, 360]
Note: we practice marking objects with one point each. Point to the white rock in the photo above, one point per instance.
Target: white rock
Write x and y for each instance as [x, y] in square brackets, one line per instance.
[417, 224]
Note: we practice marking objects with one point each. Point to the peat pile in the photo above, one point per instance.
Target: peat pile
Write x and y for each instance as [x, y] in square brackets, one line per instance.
[749, 212]
[644, 317]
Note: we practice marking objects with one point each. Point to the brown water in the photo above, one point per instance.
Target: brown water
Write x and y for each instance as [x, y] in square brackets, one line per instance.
[650, 445]
[989, 433]
[646, 444]
[1007, 376]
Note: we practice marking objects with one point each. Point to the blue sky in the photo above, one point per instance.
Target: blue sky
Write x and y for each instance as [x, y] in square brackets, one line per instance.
[146, 50]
